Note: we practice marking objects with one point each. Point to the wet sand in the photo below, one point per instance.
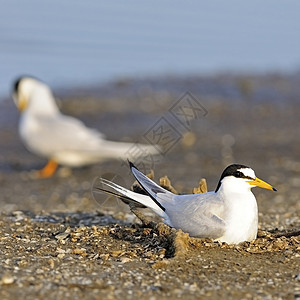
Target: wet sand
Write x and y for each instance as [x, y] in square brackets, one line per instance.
[58, 241]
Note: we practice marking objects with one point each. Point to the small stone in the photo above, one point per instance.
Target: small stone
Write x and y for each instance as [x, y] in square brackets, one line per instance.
[19, 215]
[7, 279]
[188, 139]
[165, 182]
[51, 263]
[80, 251]
[202, 188]
[64, 172]
[60, 251]
[116, 253]
[62, 236]
[125, 259]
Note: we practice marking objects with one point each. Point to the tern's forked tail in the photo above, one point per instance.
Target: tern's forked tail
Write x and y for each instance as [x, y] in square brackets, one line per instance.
[108, 187]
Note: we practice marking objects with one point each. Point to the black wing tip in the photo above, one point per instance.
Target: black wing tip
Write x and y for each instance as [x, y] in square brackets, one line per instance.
[131, 165]
[275, 190]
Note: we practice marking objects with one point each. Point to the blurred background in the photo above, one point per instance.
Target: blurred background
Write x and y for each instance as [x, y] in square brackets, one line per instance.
[75, 43]
[121, 66]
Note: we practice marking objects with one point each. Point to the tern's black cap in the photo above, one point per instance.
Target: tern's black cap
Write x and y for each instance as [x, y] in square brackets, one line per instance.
[17, 84]
[18, 80]
[232, 170]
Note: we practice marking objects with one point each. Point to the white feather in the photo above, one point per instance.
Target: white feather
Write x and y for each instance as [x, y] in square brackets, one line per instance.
[229, 215]
[64, 139]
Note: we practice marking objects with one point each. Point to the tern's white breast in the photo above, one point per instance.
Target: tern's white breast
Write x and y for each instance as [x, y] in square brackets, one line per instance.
[241, 217]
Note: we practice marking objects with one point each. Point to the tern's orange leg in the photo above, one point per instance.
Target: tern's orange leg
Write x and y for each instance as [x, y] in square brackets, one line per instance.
[48, 170]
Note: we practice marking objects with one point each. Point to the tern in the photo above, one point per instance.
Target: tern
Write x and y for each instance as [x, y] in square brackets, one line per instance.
[229, 214]
[63, 140]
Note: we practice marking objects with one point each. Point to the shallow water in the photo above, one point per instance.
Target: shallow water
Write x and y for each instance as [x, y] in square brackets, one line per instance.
[77, 43]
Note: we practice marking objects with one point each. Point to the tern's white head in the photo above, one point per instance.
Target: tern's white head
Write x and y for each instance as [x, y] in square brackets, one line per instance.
[240, 178]
[32, 95]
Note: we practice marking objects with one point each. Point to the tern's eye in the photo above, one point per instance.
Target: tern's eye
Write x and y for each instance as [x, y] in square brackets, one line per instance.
[238, 174]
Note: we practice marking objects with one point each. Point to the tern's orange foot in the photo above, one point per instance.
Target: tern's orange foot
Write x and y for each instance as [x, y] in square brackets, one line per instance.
[48, 170]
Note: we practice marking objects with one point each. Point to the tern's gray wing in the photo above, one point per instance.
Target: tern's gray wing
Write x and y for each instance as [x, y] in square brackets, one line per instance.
[200, 215]
[156, 192]
[57, 133]
[68, 141]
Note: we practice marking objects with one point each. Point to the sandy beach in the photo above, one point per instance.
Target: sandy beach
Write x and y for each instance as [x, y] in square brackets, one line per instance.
[58, 241]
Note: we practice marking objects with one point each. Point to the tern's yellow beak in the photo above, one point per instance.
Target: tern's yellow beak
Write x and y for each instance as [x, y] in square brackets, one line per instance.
[22, 104]
[260, 183]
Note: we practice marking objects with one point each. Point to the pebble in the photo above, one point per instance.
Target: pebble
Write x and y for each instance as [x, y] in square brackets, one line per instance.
[7, 279]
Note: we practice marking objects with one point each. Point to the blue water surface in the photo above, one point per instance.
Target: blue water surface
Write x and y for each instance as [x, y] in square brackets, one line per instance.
[76, 43]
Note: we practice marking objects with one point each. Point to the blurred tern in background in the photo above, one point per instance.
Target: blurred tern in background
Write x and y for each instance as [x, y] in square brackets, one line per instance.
[61, 139]
[228, 214]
